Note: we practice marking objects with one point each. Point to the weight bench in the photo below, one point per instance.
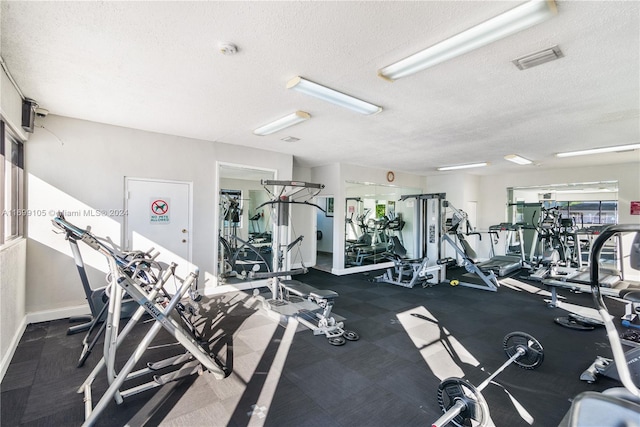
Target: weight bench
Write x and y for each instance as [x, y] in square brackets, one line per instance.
[304, 290]
[312, 310]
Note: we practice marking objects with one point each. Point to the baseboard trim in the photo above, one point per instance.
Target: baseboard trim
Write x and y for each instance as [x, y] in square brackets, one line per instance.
[58, 313]
[6, 360]
[361, 269]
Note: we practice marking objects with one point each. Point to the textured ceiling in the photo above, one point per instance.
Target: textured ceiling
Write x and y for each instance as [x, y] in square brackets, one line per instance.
[156, 66]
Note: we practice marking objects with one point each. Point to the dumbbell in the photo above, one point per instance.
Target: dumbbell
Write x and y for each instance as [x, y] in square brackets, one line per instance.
[461, 401]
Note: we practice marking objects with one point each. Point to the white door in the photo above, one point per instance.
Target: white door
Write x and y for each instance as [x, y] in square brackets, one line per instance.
[159, 216]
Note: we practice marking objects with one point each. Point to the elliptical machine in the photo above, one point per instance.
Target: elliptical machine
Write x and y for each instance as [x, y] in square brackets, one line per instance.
[620, 405]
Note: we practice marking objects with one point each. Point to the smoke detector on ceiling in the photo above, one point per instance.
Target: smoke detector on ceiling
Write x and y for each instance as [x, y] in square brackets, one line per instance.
[290, 139]
[228, 48]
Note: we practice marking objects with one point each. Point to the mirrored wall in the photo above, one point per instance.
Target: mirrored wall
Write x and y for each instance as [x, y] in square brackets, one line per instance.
[569, 214]
[244, 223]
[377, 223]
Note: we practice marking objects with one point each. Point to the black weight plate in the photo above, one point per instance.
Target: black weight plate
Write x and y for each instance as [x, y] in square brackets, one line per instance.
[336, 340]
[567, 322]
[351, 335]
[476, 408]
[534, 353]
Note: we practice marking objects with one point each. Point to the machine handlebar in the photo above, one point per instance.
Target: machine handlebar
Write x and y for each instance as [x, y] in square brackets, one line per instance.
[612, 333]
[75, 232]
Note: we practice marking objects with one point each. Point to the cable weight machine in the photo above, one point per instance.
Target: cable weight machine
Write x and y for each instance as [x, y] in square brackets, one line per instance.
[440, 223]
[292, 298]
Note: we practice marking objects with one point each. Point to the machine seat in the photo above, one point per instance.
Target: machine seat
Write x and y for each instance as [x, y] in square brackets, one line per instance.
[305, 291]
[631, 294]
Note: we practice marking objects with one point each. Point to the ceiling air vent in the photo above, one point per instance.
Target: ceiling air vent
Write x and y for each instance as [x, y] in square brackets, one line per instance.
[538, 58]
[290, 139]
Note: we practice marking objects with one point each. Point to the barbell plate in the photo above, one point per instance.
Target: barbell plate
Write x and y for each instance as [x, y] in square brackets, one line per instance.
[533, 351]
[476, 408]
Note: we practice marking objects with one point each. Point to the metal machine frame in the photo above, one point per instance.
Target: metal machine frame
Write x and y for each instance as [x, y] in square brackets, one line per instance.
[292, 298]
[433, 232]
[143, 280]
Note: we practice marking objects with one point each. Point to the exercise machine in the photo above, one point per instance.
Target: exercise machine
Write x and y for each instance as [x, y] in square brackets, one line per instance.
[98, 301]
[408, 272]
[461, 402]
[144, 280]
[470, 261]
[514, 255]
[631, 296]
[371, 244]
[293, 298]
[238, 257]
[611, 284]
[618, 406]
[440, 226]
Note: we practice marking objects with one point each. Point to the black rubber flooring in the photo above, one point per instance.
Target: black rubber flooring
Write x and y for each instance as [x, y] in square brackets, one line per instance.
[389, 377]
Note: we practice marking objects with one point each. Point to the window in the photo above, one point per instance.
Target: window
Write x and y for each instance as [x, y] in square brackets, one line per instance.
[12, 185]
[594, 212]
[587, 212]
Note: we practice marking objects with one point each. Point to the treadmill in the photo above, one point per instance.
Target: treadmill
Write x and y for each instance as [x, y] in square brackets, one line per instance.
[503, 265]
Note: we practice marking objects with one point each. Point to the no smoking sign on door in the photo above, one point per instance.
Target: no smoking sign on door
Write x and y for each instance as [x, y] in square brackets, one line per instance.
[159, 210]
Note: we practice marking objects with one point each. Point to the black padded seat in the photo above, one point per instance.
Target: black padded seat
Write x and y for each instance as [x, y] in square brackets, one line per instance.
[399, 252]
[303, 290]
[631, 294]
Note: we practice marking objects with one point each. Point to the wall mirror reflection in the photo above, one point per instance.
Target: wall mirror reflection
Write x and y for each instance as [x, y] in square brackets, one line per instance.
[377, 223]
[244, 226]
[565, 217]
[324, 233]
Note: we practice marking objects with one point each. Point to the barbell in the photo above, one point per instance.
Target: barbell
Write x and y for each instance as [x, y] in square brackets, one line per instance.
[461, 401]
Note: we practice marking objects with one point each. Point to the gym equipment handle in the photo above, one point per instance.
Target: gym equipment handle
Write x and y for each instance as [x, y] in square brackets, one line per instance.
[448, 416]
[612, 333]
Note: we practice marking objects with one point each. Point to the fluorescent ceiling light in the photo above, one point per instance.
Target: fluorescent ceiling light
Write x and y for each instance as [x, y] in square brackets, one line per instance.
[599, 150]
[517, 159]
[517, 19]
[285, 122]
[472, 165]
[327, 94]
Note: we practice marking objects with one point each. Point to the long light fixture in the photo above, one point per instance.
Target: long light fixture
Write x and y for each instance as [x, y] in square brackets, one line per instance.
[599, 150]
[517, 159]
[285, 122]
[467, 166]
[330, 95]
[517, 19]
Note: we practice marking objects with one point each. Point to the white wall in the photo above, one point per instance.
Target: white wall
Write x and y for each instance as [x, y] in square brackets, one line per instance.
[12, 299]
[13, 254]
[78, 165]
